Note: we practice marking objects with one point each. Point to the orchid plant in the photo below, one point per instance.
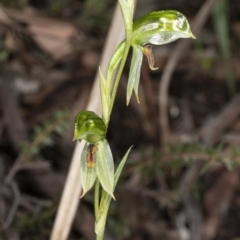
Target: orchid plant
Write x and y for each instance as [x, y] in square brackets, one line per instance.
[97, 165]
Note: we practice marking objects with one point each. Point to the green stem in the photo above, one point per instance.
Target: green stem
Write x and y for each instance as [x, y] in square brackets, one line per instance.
[98, 211]
[96, 199]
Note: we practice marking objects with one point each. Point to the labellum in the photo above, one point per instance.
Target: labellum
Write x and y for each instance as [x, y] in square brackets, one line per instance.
[91, 155]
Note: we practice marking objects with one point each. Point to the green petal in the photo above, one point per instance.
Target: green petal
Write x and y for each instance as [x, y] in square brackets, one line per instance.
[87, 168]
[89, 126]
[105, 167]
[160, 28]
[134, 75]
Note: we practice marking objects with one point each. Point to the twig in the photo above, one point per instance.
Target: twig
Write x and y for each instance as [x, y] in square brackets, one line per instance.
[72, 189]
[14, 169]
[11, 110]
[34, 204]
[18, 164]
[211, 132]
[198, 23]
[216, 202]
[191, 205]
[30, 203]
[16, 201]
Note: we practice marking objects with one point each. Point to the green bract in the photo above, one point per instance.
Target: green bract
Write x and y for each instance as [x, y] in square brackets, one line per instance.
[89, 126]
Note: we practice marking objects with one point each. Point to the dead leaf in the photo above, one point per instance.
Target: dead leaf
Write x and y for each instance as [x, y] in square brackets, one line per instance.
[52, 36]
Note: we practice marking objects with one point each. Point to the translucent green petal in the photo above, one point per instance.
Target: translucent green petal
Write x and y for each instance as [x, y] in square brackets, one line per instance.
[105, 167]
[134, 75]
[87, 169]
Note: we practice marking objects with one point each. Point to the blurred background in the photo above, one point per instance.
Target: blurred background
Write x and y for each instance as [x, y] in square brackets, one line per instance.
[181, 181]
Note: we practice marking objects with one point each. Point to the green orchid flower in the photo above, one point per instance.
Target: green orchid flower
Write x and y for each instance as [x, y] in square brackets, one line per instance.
[97, 163]
[156, 28]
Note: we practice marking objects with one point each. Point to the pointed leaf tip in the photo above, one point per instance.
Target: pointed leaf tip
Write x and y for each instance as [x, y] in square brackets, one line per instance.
[127, 101]
[113, 197]
[192, 36]
[83, 194]
[120, 166]
[138, 101]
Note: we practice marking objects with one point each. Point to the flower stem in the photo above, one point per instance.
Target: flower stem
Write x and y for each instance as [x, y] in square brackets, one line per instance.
[103, 212]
